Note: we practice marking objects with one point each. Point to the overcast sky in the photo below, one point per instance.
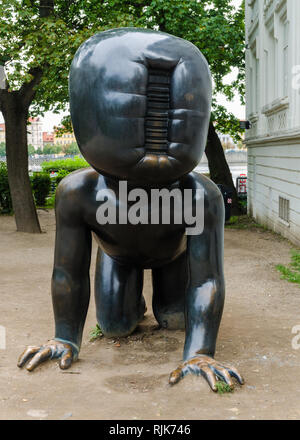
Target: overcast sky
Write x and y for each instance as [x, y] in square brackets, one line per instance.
[50, 119]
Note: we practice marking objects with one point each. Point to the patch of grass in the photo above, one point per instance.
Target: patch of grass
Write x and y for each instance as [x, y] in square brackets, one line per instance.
[291, 272]
[242, 222]
[233, 220]
[223, 388]
[95, 333]
[70, 164]
[50, 202]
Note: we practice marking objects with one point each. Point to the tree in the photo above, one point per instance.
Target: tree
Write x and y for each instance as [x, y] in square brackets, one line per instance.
[18, 32]
[217, 29]
[71, 148]
[38, 39]
[51, 149]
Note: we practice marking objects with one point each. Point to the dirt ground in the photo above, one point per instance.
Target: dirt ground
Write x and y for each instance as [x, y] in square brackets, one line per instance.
[128, 379]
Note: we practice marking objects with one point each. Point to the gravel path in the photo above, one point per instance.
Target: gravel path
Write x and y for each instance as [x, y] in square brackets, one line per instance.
[128, 379]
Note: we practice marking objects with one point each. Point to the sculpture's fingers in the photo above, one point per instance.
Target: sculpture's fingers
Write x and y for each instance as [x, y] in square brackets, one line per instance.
[234, 372]
[207, 373]
[26, 355]
[175, 376]
[223, 374]
[66, 360]
[39, 357]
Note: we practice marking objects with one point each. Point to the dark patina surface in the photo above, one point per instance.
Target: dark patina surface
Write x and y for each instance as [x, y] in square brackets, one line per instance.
[140, 107]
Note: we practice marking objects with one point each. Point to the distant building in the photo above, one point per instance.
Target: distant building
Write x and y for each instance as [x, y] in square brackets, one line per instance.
[226, 141]
[65, 139]
[48, 138]
[273, 108]
[35, 133]
[2, 133]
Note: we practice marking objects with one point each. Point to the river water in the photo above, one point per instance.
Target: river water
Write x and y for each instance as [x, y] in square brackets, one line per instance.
[236, 169]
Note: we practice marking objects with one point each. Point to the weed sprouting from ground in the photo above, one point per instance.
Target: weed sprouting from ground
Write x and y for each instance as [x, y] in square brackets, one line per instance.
[223, 388]
[291, 272]
[95, 333]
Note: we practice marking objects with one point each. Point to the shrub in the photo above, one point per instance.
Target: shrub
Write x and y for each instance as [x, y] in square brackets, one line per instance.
[62, 167]
[5, 197]
[65, 164]
[50, 202]
[41, 184]
[60, 175]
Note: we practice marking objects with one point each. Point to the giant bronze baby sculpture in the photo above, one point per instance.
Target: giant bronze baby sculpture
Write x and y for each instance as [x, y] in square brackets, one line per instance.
[140, 107]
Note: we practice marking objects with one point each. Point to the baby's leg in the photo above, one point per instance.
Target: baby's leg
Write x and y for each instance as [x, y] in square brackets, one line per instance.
[120, 305]
[169, 286]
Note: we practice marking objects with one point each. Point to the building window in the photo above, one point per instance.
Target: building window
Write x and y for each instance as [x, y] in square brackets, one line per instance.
[285, 64]
[272, 58]
[284, 209]
[254, 80]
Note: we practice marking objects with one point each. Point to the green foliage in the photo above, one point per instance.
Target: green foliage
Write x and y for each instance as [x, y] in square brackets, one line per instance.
[225, 122]
[56, 149]
[242, 203]
[2, 149]
[51, 149]
[65, 164]
[233, 220]
[41, 183]
[29, 41]
[216, 28]
[242, 222]
[71, 149]
[49, 43]
[95, 333]
[61, 174]
[5, 198]
[63, 167]
[223, 388]
[31, 150]
[291, 272]
[50, 201]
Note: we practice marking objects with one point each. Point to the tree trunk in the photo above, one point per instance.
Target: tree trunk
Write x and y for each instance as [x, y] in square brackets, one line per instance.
[218, 166]
[17, 164]
[46, 7]
[15, 106]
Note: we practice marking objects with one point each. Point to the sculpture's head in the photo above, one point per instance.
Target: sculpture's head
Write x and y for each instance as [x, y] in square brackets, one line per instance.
[140, 104]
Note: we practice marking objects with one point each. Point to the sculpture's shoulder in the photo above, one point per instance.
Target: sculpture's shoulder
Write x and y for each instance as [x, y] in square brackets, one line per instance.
[75, 190]
[198, 181]
[213, 199]
[76, 183]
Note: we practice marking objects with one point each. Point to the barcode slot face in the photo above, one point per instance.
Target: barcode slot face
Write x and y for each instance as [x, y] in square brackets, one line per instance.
[158, 105]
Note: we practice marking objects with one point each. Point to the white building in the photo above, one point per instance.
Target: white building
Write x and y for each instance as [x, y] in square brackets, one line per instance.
[273, 108]
[35, 133]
